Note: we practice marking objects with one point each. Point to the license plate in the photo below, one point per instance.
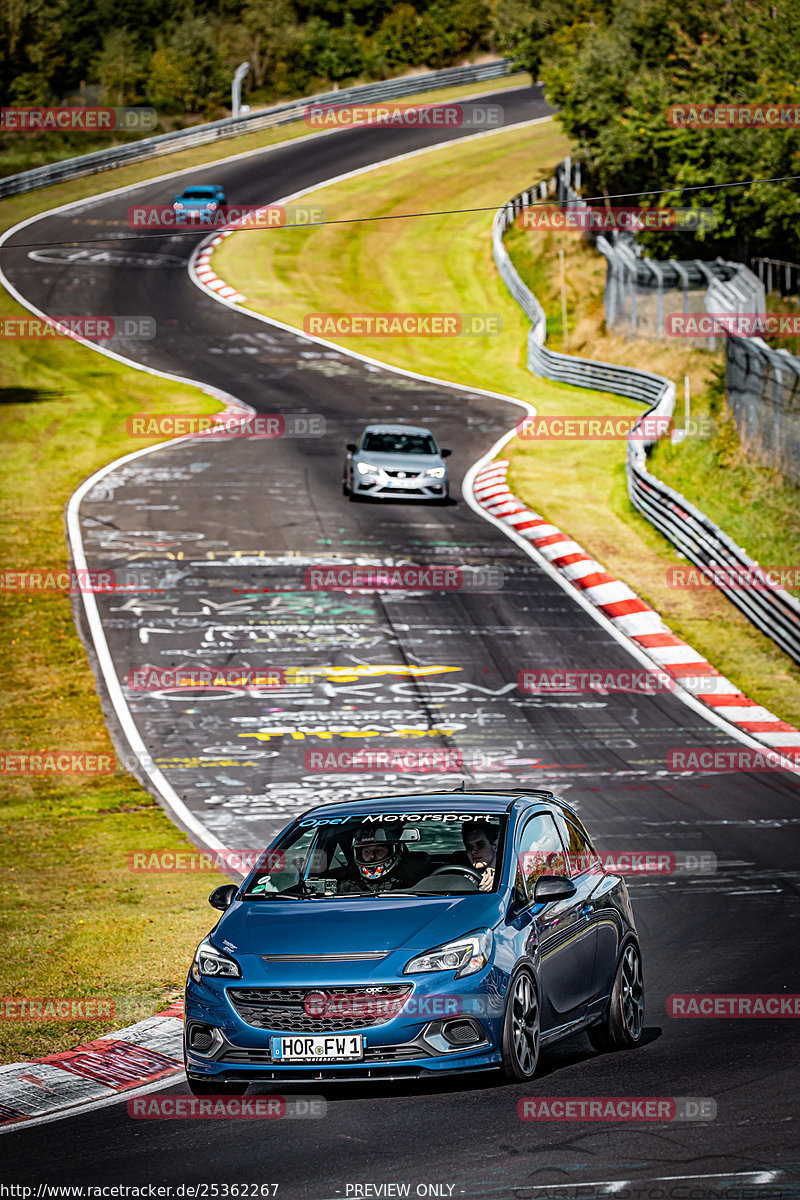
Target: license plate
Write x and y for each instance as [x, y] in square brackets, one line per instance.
[326, 1047]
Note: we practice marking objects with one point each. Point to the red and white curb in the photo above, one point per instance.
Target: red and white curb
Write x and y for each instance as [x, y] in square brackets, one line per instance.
[631, 616]
[146, 1053]
[209, 278]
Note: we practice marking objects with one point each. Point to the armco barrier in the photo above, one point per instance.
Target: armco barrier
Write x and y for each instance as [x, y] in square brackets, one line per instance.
[774, 612]
[278, 114]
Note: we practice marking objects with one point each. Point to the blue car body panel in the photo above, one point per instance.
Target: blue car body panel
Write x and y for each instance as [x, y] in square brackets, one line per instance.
[296, 946]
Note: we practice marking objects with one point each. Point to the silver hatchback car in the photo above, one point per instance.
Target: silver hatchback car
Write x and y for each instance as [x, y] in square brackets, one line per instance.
[402, 461]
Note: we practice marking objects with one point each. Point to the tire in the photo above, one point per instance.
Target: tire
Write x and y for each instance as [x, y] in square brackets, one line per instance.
[207, 1087]
[345, 489]
[521, 1029]
[623, 1024]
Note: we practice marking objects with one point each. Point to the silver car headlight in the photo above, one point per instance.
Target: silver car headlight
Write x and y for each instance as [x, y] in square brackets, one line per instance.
[465, 956]
[212, 963]
[436, 472]
[367, 469]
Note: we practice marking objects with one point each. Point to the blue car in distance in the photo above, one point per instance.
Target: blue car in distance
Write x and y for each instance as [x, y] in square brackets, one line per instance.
[410, 936]
[199, 202]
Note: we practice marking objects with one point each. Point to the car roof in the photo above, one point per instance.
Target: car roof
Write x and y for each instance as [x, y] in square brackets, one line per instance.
[387, 428]
[479, 799]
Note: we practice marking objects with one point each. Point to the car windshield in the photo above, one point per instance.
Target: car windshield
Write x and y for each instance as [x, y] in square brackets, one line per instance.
[382, 854]
[399, 443]
[199, 193]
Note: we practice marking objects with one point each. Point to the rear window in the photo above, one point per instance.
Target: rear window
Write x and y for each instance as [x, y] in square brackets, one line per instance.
[399, 443]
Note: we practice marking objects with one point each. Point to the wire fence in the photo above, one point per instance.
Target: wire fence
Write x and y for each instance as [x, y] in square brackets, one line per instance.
[772, 610]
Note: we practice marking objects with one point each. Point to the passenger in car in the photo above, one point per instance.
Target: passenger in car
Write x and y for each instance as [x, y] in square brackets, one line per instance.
[480, 850]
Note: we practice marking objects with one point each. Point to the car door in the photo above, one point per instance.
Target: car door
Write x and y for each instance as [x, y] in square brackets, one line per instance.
[566, 938]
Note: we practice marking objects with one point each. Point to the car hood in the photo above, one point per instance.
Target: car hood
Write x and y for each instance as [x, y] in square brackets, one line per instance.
[401, 462]
[352, 926]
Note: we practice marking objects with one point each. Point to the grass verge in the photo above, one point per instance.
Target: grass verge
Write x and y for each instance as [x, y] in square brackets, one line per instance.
[444, 263]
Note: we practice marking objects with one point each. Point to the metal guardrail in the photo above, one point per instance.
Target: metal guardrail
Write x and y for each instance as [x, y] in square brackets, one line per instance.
[278, 114]
[773, 611]
[778, 275]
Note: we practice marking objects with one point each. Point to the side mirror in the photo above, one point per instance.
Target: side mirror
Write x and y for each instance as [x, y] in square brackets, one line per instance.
[553, 887]
[445, 453]
[351, 446]
[223, 897]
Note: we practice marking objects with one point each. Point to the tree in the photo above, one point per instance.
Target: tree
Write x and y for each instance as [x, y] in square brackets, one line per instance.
[343, 54]
[119, 68]
[187, 70]
[271, 27]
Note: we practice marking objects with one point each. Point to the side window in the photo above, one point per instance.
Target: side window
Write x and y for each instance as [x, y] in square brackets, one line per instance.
[581, 853]
[539, 852]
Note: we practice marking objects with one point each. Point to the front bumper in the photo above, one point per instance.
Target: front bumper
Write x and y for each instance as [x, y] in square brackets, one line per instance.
[412, 1044]
[383, 487]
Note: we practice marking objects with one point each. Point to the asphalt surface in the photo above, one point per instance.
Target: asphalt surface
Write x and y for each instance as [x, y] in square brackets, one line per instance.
[225, 530]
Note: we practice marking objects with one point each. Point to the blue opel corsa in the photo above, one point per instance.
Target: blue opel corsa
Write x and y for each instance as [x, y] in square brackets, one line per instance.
[409, 936]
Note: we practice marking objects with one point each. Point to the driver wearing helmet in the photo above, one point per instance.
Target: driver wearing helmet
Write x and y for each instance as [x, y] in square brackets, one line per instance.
[381, 861]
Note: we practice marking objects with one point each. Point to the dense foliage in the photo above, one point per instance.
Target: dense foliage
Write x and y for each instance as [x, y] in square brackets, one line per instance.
[180, 58]
[613, 67]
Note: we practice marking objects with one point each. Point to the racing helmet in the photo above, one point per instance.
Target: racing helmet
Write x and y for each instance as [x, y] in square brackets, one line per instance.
[369, 868]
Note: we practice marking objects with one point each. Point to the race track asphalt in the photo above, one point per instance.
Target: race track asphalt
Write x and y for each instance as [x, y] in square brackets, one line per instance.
[226, 530]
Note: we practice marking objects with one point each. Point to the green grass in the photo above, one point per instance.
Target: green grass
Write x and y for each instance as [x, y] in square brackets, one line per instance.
[76, 921]
[444, 263]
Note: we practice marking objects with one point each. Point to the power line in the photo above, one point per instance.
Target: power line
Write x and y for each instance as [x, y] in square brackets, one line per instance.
[445, 212]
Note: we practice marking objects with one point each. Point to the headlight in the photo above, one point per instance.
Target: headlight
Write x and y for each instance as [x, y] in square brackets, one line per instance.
[367, 469]
[177, 204]
[211, 962]
[437, 472]
[212, 204]
[465, 956]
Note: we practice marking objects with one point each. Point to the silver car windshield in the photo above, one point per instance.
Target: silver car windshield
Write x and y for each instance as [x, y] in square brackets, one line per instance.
[398, 443]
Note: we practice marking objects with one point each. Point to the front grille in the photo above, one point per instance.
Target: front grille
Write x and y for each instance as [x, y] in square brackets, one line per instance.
[406, 474]
[281, 1009]
[400, 491]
